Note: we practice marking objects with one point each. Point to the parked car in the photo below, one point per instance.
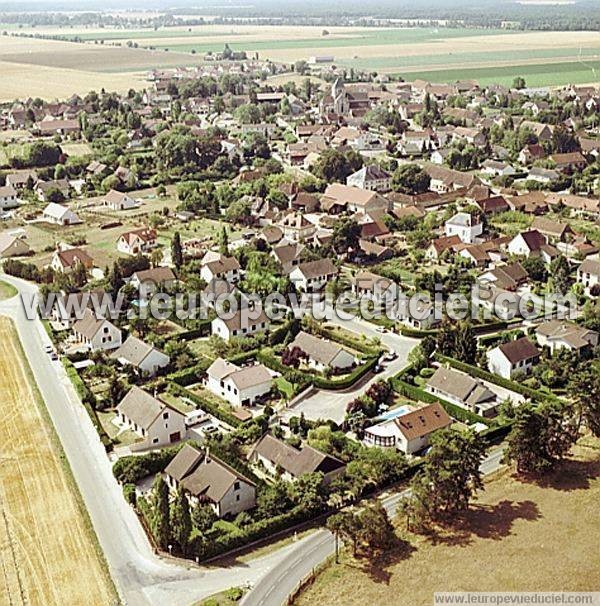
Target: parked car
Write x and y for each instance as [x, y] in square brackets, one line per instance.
[390, 356]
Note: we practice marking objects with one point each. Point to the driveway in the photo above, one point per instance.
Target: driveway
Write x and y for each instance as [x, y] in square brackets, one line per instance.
[328, 404]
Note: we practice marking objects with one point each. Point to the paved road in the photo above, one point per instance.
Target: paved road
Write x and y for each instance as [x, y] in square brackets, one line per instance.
[327, 404]
[142, 578]
[282, 580]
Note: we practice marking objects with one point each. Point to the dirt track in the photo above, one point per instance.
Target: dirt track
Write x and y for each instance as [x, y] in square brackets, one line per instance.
[47, 551]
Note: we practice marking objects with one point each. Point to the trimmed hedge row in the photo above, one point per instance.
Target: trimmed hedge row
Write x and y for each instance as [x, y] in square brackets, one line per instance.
[253, 532]
[407, 331]
[88, 400]
[131, 469]
[189, 335]
[189, 376]
[416, 393]
[205, 404]
[533, 394]
[348, 381]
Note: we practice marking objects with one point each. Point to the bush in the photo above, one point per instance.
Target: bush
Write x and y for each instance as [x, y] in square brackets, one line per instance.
[348, 381]
[131, 469]
[130, 494]
[189, 376]
[234, 594]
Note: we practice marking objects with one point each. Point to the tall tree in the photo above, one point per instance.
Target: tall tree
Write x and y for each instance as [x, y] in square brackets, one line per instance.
[176, 250]
[160, 522]
[181, 521]
[541, 436]
[584, 389]
[450, 475]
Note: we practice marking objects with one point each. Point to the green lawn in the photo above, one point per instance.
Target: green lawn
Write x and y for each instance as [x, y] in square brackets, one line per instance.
[7, 291]
[285, 387]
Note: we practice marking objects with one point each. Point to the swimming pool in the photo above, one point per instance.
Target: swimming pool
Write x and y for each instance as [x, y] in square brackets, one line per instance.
[392, 414]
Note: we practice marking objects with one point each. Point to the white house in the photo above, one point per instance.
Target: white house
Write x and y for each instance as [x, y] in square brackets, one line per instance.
[463, 390]
[371, 177]
[588, 274]
[496, 168]
[60, 215]
[322, 353]
[559, 334]
[210, 481]
[464, 225]
[289, 463]
[239, 386]
[532, 243]
[8, 197]
[244, 323]
[150, 280]
[296, 227]
[65, 261]
[96, 334]
[380, 290]
[222, 268]
[150, 418]
[116, 200]
[145, 358]
[409, 432]
[138, 241]
[513, 358]
[312, 276]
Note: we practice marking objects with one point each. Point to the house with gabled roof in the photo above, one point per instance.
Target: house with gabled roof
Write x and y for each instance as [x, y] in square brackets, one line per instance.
[409, 432]
[312, 276]
[210, 481]
[116, 200]
[515, 357]
[244, 322]
[220, 268]
[461, 389]
[13, 246]
[157, 423]
[146, 359]
[66, 260]
[352, 199]
[137, 241]
[95, 333]
[60, 215]
[323, 354]
[532, 243]
[240, 386]
[289, 463]
[560, 334]
[371, 177]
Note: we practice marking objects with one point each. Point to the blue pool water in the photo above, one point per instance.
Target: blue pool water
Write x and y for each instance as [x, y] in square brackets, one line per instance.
[392, 414]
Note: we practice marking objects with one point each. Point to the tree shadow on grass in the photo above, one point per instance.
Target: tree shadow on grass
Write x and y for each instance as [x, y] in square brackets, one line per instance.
[493, 522]
[570, 474]
[377, 568]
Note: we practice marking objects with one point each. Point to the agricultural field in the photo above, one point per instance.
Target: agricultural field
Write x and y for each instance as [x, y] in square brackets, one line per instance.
[518, 536]
[48, 549]
[102, 57]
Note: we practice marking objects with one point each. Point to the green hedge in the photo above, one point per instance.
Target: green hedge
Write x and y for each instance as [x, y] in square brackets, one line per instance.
[349, 380]
[203, 330]
[416, 393]
[131, 469]
[189, 376]
[89, 402]
[533, 394]
[253, 532]
[406, 331]
[205, 404]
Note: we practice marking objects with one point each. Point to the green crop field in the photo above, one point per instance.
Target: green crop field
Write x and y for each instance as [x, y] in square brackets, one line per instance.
[541, 74]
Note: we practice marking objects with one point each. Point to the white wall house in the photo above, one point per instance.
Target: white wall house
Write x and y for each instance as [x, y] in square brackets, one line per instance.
[116, 200]
[559, 334]
[239, 386]
[60, 215]
[244, 323]
[313, 276]
[138, 241]
[588, 274]
[8, 197]
[221, 268]
[323, 354]
[155, 422]
[410, 432]
[513, 358]
[464, 225]
[96, 334]
[145, 358]
[209, 480]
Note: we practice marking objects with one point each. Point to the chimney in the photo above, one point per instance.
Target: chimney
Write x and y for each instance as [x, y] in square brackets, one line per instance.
[207, 456]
